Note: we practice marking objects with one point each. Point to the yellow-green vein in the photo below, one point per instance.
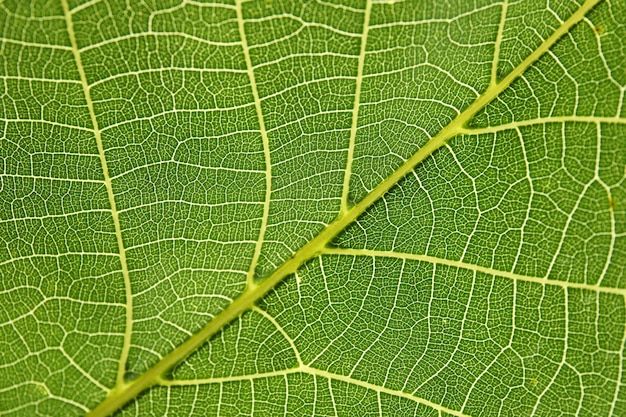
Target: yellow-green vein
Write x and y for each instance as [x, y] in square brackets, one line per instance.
[475, 268]
[305, 369]
[109, 187]
[355, 108]
[266, 146]
[496, 48]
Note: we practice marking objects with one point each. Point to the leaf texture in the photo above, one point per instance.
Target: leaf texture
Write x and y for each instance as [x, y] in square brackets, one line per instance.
[312, 207]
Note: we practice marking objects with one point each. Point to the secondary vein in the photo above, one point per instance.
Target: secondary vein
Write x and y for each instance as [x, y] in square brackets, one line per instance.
[266, 147]
[355, 108]
[498, 43]
[111, 196]
[476, 268]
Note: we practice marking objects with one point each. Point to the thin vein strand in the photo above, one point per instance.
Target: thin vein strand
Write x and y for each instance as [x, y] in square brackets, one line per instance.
[476, 268]
[266, 147]
[355, 109]
[111, 195]
[305, 369]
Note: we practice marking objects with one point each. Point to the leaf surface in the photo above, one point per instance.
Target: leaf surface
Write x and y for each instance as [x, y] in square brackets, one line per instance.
[330, 208]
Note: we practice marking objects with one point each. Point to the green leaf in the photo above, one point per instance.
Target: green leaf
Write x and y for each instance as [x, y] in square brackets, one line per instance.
[320, 207]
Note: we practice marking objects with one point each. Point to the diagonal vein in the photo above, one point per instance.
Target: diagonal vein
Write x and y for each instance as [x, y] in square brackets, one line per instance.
[108, 185]
[155, 375]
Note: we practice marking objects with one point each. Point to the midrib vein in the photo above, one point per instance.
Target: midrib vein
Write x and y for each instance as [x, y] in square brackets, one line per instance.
[125, 392]
[355, 108]
[107, 182]
[266, 147]
[471, 267]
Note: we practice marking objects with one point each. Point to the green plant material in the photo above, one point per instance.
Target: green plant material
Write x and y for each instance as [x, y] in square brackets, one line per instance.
[329, 208]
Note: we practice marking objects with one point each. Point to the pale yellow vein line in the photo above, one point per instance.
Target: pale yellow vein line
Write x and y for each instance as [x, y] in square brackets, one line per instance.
[377, 388]
[84, 6]
[305, 369]
[542, 120]
[81, 369]
[266, 146]
[496, 51]
[281, 330]
[355, 108]
[226, 379]
[315, 246]
[107, 182]
[471, 267]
